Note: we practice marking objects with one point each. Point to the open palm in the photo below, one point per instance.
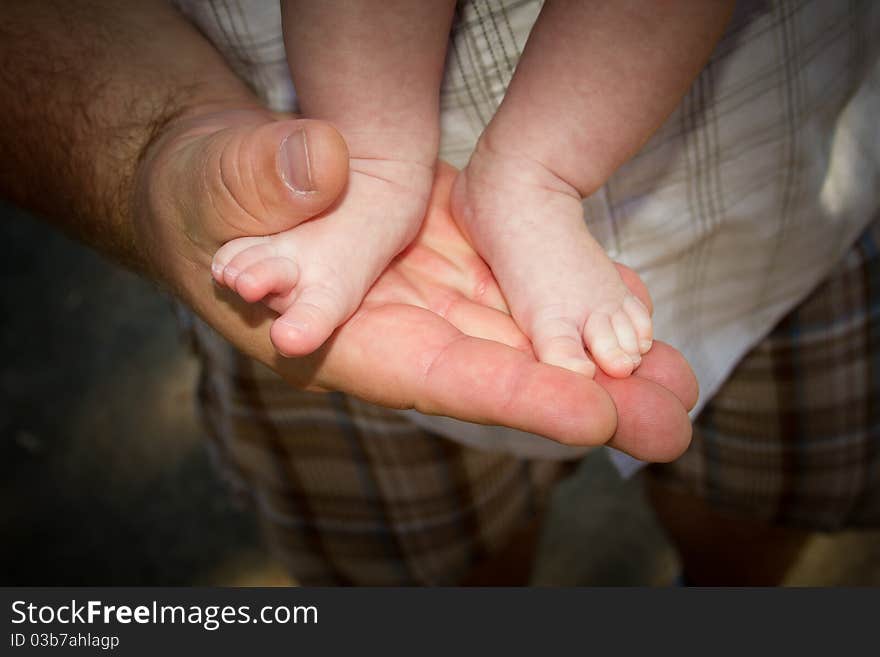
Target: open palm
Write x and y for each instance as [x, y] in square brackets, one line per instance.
[432, 334]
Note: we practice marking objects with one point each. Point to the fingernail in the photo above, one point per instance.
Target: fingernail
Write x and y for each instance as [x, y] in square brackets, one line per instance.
[216, 269]
[294, 163]
[645, 345]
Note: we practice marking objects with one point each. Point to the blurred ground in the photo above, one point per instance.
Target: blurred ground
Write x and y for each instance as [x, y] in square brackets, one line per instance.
[104, 478]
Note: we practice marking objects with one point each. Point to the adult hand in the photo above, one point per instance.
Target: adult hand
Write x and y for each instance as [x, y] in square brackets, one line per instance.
[432, 334]
[133, 148]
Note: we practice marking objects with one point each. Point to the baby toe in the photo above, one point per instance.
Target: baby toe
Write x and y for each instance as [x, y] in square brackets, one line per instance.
[315, 313]
[601, 339]
[626, 335]
[270, 276]
[641, 321]
[247, 259]
[559, 343]
[226, 253]
[559, 355]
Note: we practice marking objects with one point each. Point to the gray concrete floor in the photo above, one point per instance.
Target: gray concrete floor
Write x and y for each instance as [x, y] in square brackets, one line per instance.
[104, 478]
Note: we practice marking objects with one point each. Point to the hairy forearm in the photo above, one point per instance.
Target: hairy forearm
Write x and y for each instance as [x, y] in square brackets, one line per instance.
[598, 78]
[85, 86]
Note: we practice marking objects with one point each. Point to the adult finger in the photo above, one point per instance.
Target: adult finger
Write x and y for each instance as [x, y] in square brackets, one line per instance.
[427, 364]
[666, 366]
[262, 178]
[652, 404]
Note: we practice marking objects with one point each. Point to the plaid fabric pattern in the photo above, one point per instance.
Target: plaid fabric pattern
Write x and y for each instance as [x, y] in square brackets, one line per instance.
[733, 213]
[793, 436]
[352, 494]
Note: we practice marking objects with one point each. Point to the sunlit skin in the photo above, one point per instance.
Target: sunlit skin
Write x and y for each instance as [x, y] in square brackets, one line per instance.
[575, 110]
[433, 333]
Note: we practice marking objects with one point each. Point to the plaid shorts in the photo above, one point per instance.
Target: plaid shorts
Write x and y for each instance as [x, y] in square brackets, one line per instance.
[353, 494]
[793, 436]
[350, 493]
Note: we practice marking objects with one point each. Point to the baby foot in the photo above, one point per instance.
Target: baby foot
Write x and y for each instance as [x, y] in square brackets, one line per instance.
[561, 287]
[316, 274]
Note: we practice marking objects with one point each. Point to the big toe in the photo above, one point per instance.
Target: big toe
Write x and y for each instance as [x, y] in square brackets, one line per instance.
[604, 345]
[559, 343]
[310, 320]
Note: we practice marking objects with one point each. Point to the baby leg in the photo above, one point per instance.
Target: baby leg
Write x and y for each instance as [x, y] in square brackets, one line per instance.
[596, 79]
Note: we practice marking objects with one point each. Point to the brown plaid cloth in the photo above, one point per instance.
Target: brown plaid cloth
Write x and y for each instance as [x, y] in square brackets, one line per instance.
[793, 436]
[353, 494]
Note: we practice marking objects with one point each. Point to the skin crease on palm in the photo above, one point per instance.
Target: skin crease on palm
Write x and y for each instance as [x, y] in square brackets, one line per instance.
[433, 332]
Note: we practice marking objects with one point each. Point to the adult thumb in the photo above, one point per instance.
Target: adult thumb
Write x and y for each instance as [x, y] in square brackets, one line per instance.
[266, 178]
